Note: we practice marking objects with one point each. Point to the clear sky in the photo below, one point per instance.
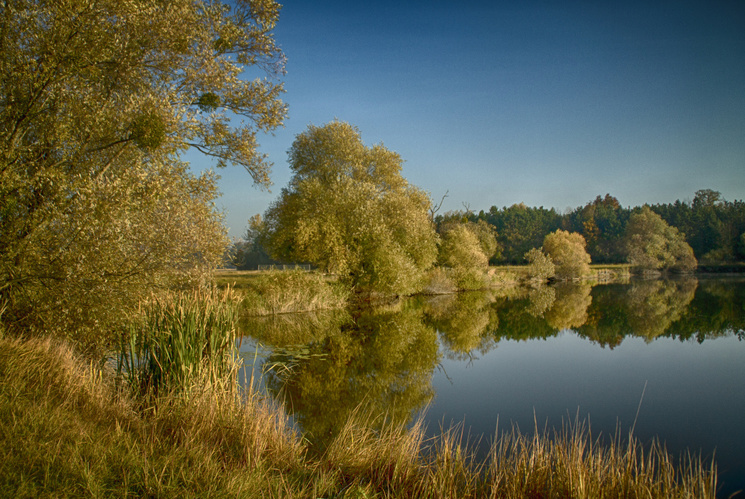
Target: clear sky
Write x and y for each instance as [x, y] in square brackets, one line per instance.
[550, 103]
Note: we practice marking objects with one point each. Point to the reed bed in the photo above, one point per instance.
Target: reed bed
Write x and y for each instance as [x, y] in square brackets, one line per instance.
[180, 339]
[566, 463]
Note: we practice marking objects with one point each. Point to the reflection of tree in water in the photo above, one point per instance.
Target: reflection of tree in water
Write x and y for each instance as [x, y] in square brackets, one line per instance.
[515, 323]
[653, 305]
[606, 322]
[541, 299]
[569, 309]
[716, 310]
[463, 321]
[385, 359]
[382, 361]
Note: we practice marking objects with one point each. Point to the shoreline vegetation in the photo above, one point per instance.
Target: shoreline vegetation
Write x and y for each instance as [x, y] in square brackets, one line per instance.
[274, 292]
[71, 429]
[171, 420]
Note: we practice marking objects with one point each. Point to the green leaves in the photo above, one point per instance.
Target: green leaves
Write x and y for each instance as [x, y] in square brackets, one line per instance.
[652, 245]
[348, 210]
[97, 101]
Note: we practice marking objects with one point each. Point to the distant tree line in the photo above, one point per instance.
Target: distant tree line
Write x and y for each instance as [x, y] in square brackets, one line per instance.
[713, 227]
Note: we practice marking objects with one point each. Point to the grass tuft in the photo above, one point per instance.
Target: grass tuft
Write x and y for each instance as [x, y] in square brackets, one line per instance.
[179, 340]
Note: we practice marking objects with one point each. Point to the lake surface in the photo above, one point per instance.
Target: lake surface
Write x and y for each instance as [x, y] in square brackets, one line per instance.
[666, 357]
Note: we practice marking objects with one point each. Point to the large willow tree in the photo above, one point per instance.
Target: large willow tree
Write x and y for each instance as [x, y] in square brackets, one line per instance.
[348, 210]
[98, 99]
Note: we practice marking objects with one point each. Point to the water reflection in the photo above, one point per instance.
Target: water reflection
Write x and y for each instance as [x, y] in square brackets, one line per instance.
[463, 321]
[378, 350]
[569, 310]
[326, 366]
[380, 360]
[653, 305]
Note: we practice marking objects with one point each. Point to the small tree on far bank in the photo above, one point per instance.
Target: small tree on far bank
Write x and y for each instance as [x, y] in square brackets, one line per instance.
[462, 253]
[654, 246]
[567, 251]
[540, 266]
[249, 252]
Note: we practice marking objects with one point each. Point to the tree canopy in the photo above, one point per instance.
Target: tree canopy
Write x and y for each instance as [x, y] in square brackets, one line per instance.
[567, 252]
[652, 245]
[348, 210]
[465, 250]
[97, 101]
[520, 228]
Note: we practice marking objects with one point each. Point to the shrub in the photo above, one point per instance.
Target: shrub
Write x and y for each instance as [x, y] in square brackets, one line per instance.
[439, 282]
[567, 251]
[462, 252]
[652, 245]
[540, 266]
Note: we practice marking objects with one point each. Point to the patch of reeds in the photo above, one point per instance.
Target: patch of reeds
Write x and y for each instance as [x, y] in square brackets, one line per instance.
[180, 339]
[569, 462]
[281, 292]
[565, 463]
[67, 431]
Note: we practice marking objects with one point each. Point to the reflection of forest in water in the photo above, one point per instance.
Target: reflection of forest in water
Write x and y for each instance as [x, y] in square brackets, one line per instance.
[378, 363]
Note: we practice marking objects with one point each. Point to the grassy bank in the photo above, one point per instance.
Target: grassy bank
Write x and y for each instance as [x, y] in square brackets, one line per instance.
[279, 292]
[68, 430]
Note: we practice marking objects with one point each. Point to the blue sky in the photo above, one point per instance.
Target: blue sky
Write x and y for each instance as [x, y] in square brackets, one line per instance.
[550, 103]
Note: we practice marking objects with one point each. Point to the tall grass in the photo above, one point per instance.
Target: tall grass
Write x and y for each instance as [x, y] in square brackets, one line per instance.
[66, 431]
[180, 339]
[568, 462]
[565, 463]
[281, 292]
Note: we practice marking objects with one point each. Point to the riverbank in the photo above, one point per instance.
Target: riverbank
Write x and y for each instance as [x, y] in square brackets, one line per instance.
[291, 291]
[68, 430]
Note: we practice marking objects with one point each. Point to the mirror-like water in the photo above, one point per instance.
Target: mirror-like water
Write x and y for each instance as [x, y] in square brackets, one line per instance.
[664, 357]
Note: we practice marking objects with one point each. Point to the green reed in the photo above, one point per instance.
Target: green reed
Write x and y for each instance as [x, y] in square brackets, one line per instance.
[181, 339]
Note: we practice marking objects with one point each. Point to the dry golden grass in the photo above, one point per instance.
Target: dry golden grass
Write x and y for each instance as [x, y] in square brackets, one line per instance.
[68, 430]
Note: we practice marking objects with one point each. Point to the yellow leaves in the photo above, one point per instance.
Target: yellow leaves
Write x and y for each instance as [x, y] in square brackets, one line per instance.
[567, 251]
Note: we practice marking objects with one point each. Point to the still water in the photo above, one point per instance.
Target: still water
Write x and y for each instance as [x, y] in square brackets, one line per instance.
[666, 357]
